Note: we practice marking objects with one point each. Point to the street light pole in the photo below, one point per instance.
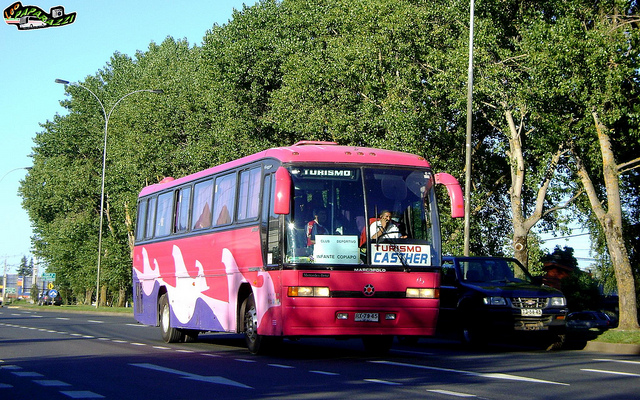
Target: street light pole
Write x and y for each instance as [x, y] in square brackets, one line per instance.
[467, 180]
[104, 164]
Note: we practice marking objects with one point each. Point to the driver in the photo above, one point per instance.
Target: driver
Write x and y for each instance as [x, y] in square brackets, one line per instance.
[385, 228]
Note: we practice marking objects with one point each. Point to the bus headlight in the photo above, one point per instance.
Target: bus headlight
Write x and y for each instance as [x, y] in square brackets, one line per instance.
[308, 291]
[422, 293]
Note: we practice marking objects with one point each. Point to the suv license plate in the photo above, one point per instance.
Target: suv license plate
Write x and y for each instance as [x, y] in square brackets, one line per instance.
[367, 317]
[531, 312]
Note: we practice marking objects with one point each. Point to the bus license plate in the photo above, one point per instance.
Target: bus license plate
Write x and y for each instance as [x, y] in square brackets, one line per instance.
[367, 317]
[531, 312]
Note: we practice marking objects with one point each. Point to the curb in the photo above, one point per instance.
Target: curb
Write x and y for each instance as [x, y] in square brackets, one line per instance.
[613, 348]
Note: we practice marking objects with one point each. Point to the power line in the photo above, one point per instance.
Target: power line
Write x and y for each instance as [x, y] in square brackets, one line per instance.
[564, 237]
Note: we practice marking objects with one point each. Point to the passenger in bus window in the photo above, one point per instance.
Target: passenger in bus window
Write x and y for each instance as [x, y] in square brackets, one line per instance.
[317, 226]
[385, 228]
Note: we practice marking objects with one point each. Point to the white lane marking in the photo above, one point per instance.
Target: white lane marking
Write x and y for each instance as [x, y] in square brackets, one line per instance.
[280, 366]
[383, 382]
[210, 379]
[63, 318]
[95, 321]
[245, 360]
[137, 344]
[450, 393]
[138, 325]
[602, 371]
[162, 347]
[324, 373]
[616, 361]
[28, 374]
[471, 373]
[50, 382]
[82, 394]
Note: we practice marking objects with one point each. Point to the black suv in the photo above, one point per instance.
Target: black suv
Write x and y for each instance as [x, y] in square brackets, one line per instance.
[482, 298]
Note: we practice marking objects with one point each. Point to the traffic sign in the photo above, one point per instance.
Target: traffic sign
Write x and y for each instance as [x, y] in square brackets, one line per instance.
[50, 285]
[49, 276]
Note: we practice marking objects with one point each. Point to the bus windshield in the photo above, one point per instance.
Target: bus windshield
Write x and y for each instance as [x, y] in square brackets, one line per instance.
[364, 215]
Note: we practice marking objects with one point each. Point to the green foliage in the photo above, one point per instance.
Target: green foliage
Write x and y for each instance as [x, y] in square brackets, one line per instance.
[376, 73]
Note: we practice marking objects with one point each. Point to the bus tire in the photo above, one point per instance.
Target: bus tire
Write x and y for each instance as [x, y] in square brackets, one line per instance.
[251, 337]
[169, 333]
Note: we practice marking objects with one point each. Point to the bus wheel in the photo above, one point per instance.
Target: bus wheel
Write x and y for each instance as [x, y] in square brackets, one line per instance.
[251, 336]
[169, 333]
[377, 345]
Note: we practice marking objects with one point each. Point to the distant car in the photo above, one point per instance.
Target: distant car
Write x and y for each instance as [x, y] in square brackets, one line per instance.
[50, 297]
[587, 320]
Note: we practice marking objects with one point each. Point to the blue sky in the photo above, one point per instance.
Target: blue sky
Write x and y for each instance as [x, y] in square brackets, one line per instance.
[31, 60]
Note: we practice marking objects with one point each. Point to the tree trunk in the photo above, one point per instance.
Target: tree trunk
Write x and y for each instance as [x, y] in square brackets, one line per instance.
[521, 223]
[611, 222]
[122, 297]
[103, 296]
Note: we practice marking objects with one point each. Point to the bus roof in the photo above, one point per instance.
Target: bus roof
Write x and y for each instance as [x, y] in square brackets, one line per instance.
[304, 152]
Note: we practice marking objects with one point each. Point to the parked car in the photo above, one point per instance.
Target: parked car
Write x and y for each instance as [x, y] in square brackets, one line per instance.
[483, 298]
[50, 297]
[587, 320]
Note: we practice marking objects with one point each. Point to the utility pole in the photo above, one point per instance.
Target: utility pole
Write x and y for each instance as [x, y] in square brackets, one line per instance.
[4, 282]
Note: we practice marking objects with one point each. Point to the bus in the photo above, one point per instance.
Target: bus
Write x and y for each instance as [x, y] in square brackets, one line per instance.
[314, 239]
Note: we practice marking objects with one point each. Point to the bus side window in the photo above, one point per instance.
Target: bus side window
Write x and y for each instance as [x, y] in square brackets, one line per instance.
[270, 223]
[151, 218]
[224, 199]
[202, 198]
[140, 223]
[183, 201]
[164, 213]
[249, 197]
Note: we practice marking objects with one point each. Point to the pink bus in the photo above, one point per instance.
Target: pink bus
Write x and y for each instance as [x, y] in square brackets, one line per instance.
[314, 239]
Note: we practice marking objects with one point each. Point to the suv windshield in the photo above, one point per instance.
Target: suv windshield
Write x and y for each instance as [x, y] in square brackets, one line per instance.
[347, 215]
[493, 270]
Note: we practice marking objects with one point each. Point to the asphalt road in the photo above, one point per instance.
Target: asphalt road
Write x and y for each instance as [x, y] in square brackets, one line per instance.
[56, 355]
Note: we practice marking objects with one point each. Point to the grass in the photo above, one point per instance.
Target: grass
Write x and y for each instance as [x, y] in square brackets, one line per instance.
[619, 336]
[74, 307]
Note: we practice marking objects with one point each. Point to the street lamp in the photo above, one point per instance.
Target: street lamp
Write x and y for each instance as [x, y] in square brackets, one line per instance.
[104, 163]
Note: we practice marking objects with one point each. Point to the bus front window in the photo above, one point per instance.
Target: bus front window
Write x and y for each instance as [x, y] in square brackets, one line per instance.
[329, 223]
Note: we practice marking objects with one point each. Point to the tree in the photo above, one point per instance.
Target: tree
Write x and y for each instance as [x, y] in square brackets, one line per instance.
[26, 267]
[590, 65]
